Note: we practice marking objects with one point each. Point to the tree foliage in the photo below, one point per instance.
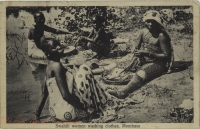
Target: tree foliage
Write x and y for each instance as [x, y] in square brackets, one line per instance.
[121, 18]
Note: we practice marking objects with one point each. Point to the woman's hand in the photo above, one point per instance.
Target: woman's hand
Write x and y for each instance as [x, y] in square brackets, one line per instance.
[83, 38]
[74, 33]
[141, 53]
[58, 47]
[61, 51]
[54, 50]
[135, 50]
[80, 38]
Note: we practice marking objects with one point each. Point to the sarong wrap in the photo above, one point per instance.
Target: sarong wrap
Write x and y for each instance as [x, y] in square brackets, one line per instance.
[85, 87]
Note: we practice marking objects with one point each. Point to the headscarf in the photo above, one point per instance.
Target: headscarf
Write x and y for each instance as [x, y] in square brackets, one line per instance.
[153, 15]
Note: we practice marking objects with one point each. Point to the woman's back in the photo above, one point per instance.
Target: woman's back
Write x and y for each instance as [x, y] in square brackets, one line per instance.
[51, 68]
[36, 33]
[103, 37]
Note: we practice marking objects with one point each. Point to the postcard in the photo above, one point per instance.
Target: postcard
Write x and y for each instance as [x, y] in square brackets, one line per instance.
[100, 64]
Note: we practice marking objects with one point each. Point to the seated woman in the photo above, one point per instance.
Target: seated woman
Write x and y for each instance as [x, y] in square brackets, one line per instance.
[154, 48]
[70, 98]
[36, 33]
[98, 40]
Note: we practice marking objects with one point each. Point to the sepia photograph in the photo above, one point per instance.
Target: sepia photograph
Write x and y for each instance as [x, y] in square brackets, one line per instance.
[96, 65]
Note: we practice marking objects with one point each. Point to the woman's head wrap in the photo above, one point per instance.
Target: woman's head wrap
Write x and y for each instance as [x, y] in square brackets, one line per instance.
[153, 15]
[38, 14]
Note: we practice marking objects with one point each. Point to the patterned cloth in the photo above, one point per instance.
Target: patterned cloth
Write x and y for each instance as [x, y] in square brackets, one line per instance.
[58, 107]
[91, 93]
[150, 48]
[145, 67]
[152, 68]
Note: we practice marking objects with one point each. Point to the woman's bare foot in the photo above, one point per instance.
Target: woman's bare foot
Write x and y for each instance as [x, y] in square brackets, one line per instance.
[117, 93]
[37, 120]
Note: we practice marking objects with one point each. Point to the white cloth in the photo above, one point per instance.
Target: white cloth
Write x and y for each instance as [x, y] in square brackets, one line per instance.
[36, 56]
[58, 107]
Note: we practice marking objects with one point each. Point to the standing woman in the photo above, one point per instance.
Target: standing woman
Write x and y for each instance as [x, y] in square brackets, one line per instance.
[36, 32]
[153, 46]
[37, 46]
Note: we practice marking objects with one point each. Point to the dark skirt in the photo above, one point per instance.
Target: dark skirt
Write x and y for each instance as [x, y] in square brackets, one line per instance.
[101, 50]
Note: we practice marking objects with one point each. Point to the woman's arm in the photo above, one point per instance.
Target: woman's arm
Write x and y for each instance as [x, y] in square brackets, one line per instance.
[55, 31]
[165, 47]
[30, 33]
[42, 100]
[99, 34]
[59, 73]
[91, 34]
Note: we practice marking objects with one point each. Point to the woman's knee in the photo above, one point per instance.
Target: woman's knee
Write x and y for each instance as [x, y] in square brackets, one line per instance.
[148, 76]
[142, 74]
[93, 47]
[135, 83]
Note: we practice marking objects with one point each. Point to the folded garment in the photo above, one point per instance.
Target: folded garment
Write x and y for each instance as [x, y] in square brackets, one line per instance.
[36, 56]
[58, 107]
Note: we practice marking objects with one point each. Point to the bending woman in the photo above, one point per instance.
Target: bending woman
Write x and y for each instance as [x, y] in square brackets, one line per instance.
[154, 48]
[74, 99]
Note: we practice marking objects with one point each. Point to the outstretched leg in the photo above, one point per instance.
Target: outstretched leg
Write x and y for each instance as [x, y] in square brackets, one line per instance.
[135, 83]
[146, 73]
[42, 101]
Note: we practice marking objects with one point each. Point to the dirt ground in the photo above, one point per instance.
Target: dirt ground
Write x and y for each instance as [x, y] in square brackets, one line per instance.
[150, 104]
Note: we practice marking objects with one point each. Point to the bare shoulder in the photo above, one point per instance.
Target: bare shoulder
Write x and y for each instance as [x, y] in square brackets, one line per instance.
[53, 69]
[164, 35]
[144, 31]
[32, 27]
[56, 66]
[164, 39]
[31, 32]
